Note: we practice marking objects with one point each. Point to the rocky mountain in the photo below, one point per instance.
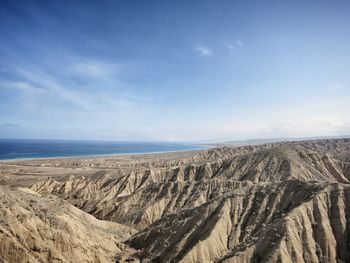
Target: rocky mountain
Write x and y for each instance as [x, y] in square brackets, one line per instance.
[276, 202]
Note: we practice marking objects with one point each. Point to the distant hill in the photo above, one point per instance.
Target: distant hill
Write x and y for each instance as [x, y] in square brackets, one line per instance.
[274, 140]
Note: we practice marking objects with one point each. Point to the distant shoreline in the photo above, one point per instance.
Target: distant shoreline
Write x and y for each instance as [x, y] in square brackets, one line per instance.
[78, 156]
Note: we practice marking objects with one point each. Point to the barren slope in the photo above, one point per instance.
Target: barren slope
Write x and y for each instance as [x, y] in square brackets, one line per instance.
[139, 198]
[34, 228]
[287, 222]
[277, 202]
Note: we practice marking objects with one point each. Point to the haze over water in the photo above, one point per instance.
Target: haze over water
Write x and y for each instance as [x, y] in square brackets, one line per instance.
[28, 149]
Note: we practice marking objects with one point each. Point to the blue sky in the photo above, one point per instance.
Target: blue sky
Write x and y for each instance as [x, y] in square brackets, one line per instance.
[174, 70]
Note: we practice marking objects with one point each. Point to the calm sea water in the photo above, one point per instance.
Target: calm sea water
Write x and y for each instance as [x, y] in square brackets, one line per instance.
[28, 149]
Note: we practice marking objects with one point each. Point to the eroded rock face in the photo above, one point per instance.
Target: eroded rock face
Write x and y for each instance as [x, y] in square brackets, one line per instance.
[35, 228]
[281, 202]
[142, 197]
[286, 222]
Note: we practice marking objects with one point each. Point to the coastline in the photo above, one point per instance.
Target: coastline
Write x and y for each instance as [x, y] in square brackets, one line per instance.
[95, 156]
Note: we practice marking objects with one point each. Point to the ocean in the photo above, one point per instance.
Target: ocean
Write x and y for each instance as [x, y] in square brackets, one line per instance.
[32, 149]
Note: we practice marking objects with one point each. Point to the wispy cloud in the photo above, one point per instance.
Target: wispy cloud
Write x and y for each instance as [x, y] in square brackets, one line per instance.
[12, 125]
[100, 91]
[233, 46]
[204, 51]
[337, 87]
[52, 87]
[22, 86]
[93, 68]
[79, 96]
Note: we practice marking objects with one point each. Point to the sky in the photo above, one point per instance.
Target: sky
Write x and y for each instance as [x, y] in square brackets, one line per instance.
[182, 70]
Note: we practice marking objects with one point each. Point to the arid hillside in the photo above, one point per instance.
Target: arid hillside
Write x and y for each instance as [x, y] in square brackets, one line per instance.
[35, 228]
[277, 202]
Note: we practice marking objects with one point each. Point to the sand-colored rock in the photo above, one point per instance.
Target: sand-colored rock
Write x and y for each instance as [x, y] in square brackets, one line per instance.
[275, 202]
[37, 228]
